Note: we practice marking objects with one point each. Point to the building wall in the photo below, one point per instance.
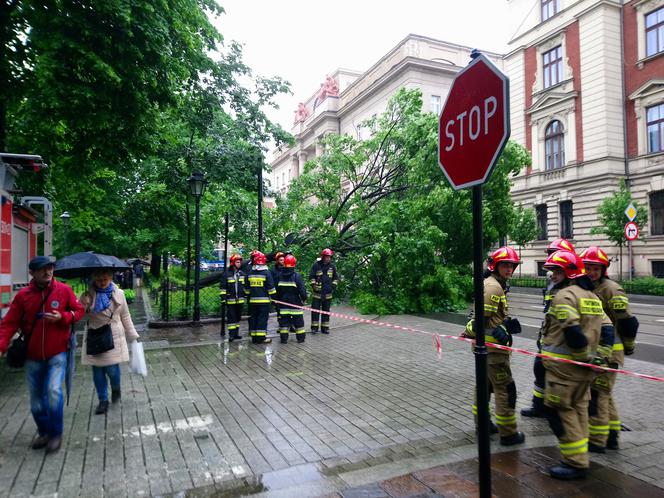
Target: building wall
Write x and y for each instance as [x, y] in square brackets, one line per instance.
[603, 117]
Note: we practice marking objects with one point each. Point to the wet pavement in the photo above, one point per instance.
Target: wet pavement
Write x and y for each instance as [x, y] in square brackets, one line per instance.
[365, 411]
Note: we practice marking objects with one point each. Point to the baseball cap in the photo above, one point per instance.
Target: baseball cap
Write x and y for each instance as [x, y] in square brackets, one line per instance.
[40, 262]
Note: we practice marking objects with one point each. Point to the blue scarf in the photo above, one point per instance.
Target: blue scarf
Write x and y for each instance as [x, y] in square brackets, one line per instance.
[103, 299]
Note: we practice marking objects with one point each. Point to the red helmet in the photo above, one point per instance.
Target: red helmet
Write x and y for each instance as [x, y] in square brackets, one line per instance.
[503, 254]
[235, 257]
[596, 256]
[290, 261]
[259, 258]
[567, 261]
[327, 252]
[560, 245]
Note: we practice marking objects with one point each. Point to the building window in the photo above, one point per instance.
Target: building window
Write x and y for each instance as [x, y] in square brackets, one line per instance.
[435, 104]
[549, 8]
[657, 213]
[541, 271]
[552, 63]
[655, 32]
[566, 220]
[655, 123]
[554, 146]
[658, 269]
[542, 221]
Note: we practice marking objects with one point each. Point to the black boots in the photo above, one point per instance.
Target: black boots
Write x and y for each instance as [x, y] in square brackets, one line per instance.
[102, 408]
[115, 395]
[532, 412]
[516, 438]
[566, 472]
[284, 337]
[595, 448]
[39, 443]
[612, 442]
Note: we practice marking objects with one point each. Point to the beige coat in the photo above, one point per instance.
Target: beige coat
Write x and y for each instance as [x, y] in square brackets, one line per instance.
[121, 325]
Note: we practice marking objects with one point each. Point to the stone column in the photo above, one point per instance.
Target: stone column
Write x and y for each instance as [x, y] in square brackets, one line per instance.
[302, 156]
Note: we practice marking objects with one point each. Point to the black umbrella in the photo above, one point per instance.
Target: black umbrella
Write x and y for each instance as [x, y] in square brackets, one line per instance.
[82, 264]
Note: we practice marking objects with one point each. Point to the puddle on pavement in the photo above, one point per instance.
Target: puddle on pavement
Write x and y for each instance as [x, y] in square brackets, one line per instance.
[270, 481]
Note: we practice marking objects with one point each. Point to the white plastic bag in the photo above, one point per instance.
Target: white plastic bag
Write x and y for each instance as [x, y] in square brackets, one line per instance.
[137, 361]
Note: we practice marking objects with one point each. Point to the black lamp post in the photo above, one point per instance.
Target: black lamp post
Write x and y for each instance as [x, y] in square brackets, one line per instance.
[65, 218]
[197, 185]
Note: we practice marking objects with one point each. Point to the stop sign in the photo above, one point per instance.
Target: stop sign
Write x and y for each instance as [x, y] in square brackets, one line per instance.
[474, 125]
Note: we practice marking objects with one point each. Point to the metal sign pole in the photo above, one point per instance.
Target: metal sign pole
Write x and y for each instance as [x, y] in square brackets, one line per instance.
[481, 354]
[224, 278]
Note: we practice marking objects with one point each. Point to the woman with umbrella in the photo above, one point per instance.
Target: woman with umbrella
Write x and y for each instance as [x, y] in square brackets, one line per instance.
[106, 307]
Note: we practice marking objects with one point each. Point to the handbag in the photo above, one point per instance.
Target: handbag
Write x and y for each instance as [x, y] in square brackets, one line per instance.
[17, 352]
[100, 339]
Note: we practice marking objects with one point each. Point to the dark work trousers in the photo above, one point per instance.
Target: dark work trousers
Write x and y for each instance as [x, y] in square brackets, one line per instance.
[539, 384]
[233, 315]
[320, 318]
[291, 319]
[258, 322]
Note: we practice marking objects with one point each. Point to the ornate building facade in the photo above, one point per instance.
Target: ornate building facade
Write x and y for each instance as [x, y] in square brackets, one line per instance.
[587, 99]
[347, 98]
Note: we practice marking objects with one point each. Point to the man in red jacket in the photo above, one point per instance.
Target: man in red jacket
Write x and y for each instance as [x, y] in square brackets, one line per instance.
[45, 310]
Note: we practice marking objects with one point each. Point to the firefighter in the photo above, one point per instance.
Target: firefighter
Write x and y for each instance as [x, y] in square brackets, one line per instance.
[552, 286]
[498, 330]
[291, 289]
[604, 420]
[572, 331]
[323, 278]
[276, 269]
[233, 292]
[259, 286]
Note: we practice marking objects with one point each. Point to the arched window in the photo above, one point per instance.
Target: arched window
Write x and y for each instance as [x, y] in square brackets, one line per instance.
[554, 145]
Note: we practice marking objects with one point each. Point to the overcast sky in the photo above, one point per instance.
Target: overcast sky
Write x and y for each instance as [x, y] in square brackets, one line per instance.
[303, 40]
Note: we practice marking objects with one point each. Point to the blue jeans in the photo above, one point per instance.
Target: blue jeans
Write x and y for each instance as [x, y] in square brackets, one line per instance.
[101, 384]
[47, 402]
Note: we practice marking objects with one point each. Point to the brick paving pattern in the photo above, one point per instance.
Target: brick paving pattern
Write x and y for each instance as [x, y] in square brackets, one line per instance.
[339, 410]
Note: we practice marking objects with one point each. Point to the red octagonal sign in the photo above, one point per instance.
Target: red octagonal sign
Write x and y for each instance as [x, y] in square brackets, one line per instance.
[474, 125]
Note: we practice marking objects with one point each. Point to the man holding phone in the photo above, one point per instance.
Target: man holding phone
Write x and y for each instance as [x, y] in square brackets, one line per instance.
[44, 311]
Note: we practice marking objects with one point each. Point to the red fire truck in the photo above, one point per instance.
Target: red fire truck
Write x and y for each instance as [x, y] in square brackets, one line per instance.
[20, 225]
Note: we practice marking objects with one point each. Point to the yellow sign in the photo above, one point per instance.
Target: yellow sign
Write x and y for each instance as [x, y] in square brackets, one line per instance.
[630, 212]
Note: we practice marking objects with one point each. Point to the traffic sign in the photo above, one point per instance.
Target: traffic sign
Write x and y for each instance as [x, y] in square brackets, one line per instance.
[474, 124]
[631, 231]
[630, 212]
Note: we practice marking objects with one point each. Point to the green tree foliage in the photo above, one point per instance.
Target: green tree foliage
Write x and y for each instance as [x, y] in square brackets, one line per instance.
[524, 227]
[612, 219]
[124, 100]
[402, 235]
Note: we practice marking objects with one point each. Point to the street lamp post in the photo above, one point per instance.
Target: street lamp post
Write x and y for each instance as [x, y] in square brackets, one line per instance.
[197, 185]
[65, 218]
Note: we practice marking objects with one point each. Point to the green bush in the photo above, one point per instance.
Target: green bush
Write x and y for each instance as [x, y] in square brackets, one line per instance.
[645, 285]
[130, 294]
[537, 282]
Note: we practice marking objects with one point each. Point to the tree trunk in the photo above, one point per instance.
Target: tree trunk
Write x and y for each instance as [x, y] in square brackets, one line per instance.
[155, 262]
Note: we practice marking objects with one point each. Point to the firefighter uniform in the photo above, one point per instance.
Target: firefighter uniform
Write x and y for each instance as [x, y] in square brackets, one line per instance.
[323, 279]
[233, 292]
[259, 286]
[498, 364]
[573, 333]
[291, 289]
[604, 421]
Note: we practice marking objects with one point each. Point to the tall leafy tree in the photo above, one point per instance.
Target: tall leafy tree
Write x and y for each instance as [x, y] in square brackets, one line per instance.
[125, 100]
[402, 234]
[612, 219]
[524, 228]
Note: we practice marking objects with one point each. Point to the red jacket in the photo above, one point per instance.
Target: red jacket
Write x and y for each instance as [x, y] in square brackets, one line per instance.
[48, 338]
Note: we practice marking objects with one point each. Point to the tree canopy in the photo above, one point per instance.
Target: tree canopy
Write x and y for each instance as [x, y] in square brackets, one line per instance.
[402, 234]
[124, 100]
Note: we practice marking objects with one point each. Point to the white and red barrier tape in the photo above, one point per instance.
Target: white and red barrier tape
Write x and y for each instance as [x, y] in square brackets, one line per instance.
[438, 345]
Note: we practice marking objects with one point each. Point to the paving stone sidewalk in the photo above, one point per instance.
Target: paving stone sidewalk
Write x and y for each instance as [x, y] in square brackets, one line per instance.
[357, 407]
